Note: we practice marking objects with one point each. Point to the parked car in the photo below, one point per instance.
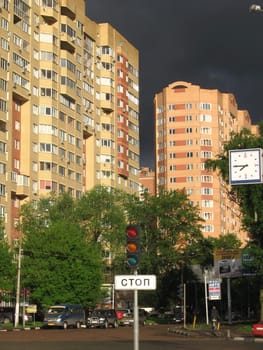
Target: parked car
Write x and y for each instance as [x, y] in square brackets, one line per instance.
[257, 329]
[7, 314]
[102, 318]
[127, 318]
[65, 315]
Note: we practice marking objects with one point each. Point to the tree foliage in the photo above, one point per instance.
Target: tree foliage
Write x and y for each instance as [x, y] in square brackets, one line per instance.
[7, 264]
[169, 225]
[59, 263]
[249, 197]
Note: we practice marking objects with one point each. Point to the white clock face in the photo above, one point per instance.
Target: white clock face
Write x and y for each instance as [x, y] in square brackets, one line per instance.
[245, 166]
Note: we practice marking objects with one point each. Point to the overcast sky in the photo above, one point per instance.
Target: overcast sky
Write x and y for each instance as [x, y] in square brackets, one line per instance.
[216, 44]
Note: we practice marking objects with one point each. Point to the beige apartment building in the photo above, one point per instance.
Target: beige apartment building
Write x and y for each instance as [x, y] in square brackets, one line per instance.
[69, 104]
[191, 125]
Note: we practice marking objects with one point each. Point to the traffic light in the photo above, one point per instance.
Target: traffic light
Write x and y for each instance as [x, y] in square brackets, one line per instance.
[133, 245]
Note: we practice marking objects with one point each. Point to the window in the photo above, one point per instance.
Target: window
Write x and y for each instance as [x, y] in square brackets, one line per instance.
[206, 106]
[2, 190]
[205, 130]
[207, 203]
[206, 118]
[2, 211]
[71, 157]
[2, 168]
[189, 179]
[205, 154]
[207, 178]
[2, 147]
[48, 147]
[206, 142]
[189, 142]
[208, 228]
[61, 171]
[208, 216]
[207, 191]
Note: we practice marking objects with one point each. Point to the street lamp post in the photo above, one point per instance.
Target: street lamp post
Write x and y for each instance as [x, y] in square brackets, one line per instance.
[206, 297]
[18, 287]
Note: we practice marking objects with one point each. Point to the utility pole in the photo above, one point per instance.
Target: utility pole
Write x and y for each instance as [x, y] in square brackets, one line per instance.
[18, 286]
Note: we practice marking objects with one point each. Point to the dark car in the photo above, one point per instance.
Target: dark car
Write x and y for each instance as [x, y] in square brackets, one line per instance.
[7, 314]
[102, 318]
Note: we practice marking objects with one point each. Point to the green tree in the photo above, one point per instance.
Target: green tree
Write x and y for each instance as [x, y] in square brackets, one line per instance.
[101, 214]
[59, 263]
[249, 197]
[170, 225]
[7, 265]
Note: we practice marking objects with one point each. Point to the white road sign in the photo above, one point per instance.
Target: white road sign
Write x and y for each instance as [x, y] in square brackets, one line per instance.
[135, 282]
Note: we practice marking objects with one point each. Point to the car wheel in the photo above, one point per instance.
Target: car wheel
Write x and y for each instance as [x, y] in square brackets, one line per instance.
[106, 324]
[65, 325]
[115, 324]
[78, 325]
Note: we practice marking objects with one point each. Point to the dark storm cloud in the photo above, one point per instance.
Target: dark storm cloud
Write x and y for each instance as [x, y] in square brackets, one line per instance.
[212, 43]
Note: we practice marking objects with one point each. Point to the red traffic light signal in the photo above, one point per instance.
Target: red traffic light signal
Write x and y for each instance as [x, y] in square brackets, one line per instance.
[132, 245]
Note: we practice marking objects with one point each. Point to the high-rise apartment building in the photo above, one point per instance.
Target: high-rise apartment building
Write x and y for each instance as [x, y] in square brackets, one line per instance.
[191, 125]
[69, 104]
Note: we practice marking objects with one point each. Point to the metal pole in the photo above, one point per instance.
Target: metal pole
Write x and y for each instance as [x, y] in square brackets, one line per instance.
[18, 287]
[184, 305]
[136, 319]
[206, 300]
[229, 300]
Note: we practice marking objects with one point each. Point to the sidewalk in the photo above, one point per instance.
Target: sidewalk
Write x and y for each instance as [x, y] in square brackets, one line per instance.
[231, 332]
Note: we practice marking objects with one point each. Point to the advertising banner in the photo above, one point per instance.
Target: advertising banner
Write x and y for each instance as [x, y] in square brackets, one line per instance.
[214, 290]
[228, 263]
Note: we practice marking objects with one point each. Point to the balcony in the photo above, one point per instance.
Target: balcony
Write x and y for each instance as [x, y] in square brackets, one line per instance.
[49, 14]
[107, 106]
[68, 8]
[22, 185]
[88, 131]
[67, 43]
[20, 94]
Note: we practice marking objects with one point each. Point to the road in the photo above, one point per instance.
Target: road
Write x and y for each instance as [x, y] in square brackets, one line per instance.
[150, 338]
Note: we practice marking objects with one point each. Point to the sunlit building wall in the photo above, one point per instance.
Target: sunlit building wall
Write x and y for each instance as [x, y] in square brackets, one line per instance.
[191, 125]
[69, 104]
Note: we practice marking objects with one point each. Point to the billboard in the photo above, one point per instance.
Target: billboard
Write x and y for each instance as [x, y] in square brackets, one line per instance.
[228, 263]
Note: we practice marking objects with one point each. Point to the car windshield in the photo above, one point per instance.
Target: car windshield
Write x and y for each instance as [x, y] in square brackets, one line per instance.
[56, 310]
[102, 312]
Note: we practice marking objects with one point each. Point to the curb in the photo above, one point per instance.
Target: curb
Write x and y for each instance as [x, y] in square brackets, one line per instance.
[207, 334]
[177, 331]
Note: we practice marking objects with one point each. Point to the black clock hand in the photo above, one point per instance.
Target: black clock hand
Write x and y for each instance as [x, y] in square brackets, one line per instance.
[242, 166]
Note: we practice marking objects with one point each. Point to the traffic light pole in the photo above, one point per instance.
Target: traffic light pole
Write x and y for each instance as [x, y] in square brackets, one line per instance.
[136, 318]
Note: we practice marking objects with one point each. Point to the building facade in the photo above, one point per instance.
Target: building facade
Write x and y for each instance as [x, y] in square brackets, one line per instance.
[191, 125]
[69, 104]
[147, 180]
